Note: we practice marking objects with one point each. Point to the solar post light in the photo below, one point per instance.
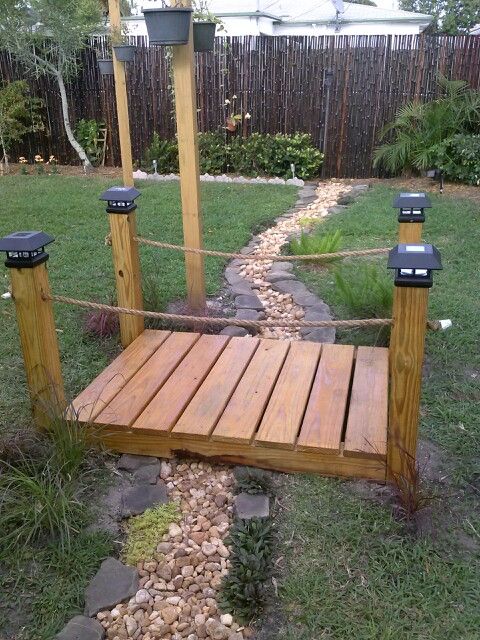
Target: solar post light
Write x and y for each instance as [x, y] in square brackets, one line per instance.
[414, 264]
[412, 206]
[25, 249]
[120, 199]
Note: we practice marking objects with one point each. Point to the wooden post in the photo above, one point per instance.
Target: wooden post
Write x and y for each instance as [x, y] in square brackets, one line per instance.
[410, 232]
[39, 342]
[406, 353]
[121, 98]
[126, 262]
[186, 114]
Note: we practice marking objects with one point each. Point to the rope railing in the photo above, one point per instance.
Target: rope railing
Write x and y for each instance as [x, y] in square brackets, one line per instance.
[434, 325]
[262, 256]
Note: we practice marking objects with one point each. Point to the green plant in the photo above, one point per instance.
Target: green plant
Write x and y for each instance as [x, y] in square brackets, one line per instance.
[37, 500]
[19, 115]
[243, 591]
[214, 152]
[459, 158]
[165, 152]
[419, 128]
[313, 243]
[152, 300]
[252, 480]
[145, 531]
[365, 289]
[89, 133]
[202, 13]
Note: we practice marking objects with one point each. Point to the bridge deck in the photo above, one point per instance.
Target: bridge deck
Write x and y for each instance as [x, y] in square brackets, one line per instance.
[292, 406]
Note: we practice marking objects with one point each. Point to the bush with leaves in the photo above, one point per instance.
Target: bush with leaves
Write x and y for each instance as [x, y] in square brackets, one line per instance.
[253, 481]
[459, 158]
[19, 115]
[165, 152]
[88, 133]
[419, 128]
[243, 590]
[258, 154]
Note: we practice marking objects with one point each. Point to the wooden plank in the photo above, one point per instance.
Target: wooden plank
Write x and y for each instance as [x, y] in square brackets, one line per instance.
[325, 415]
[137, 393]
[247, 405]
[366, 432]
[203, 412]
[188, 155]
[148, 443]
[105, 387]
[126, 262]
[121, 97]
[407, 344]
[284, 413]
[38, 338]
[169, 403]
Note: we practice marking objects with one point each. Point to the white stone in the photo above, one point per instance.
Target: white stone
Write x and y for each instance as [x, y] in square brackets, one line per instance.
[142, 596]
[174, 530]
[140, 175]
[226, 619]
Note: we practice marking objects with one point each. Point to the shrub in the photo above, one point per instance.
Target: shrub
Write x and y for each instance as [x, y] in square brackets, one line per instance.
[313, 243]
[258, 154]
[88, 133]
[419, 128]
[243, 590]
[459, 158]
[144, 532]
[252, 480]
[165, 152]
[365, 290]
[214, 153]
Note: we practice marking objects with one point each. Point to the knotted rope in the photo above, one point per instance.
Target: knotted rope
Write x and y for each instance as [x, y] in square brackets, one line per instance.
[261, 256]
[247, 324]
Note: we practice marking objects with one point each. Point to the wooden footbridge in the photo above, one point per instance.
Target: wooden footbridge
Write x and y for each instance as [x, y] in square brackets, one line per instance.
[292, 406]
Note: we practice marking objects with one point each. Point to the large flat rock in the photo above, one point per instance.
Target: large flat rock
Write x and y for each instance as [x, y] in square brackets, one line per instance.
[290, 286]
[248, 302]
[113, 583]
[143, 496]
[131, 462]
[81, 628]
[249, 506]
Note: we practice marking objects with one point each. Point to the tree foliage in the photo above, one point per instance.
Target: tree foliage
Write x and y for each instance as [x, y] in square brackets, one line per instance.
[419, 128]
[19, 114]
[451, 17]
[47, 36]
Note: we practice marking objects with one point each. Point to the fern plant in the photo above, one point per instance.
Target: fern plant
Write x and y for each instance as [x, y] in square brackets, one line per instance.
[314, 243]
[419, 128]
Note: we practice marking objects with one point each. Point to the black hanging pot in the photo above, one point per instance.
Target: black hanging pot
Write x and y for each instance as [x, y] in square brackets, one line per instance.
[106, 67]
[125, 52]
[169, 25]
[204, 36]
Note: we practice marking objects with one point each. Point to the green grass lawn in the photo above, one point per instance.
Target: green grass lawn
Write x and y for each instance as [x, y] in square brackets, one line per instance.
[350, 569]
[42, 586]
[80, 264]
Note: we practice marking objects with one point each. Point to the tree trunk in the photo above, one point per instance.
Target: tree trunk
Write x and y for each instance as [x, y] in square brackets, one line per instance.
[66, 123]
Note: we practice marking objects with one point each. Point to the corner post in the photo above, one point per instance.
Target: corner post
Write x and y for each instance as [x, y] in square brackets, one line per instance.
[186, 116]
[26, 259]
[121, 98]
[126, 260]
[406, 353]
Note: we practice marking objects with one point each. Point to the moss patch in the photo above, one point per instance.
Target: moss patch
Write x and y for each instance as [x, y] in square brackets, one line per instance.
[145, 532]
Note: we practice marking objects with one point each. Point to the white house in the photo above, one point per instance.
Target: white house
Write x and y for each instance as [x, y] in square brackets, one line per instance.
[309, 17]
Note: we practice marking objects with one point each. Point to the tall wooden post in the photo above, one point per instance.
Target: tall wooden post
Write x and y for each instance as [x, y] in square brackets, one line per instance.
[186, 114]
[121, 98]
[126, 260]
[410, 232]
[36, 325]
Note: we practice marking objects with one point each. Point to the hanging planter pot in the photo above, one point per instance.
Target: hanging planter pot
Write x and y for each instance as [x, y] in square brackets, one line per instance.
[204, 36]
[169, 25]
[106, 67]
[125, 52]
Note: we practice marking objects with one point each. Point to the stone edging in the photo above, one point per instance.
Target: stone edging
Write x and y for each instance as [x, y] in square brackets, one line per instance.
[206, 177]
[270, 289]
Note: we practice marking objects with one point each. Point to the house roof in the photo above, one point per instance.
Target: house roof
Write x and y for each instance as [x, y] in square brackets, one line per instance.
[312, 11]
